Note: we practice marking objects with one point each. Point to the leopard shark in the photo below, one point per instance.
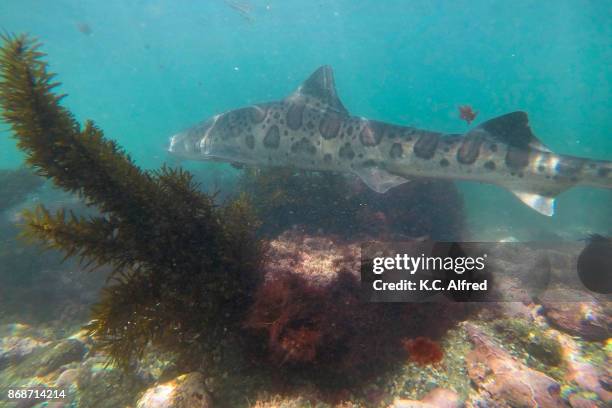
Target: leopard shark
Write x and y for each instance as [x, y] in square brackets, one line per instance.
[312, 130]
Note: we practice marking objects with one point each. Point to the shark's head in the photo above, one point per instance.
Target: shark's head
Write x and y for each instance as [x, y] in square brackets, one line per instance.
[222, 137]
[188, 143]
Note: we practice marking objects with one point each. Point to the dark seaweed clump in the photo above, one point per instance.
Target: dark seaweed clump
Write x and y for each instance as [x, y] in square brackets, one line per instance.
[183, 268]
[336, 204]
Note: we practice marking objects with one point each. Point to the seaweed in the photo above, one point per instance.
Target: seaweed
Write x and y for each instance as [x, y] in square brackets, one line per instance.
[315, 201]
[183, 267]
[326, 334]
[333, 203]
[536, 342]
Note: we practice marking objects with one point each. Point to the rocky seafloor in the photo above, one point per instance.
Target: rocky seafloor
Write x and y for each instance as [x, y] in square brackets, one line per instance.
[548, 349]
[541, 353]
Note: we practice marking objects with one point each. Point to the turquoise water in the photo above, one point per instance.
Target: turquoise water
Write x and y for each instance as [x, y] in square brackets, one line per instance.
[145, 69]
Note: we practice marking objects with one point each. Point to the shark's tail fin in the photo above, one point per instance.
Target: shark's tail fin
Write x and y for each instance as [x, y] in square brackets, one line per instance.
[597, 173]
[526, 151]
[570, 171]
[513, 130]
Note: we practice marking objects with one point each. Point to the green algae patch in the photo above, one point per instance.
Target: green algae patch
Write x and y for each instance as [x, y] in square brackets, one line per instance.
[534, 341]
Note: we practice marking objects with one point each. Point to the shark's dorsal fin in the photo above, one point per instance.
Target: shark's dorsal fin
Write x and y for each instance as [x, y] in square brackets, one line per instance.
[513, 129]
[320, 86]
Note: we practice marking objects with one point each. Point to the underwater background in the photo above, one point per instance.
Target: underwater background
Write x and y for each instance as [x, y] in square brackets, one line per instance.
[146, 69]
[204, 297]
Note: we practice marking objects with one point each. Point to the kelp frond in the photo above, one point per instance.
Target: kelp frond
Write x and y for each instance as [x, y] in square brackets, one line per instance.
[185, 268]
[76, 159]
[95, 240]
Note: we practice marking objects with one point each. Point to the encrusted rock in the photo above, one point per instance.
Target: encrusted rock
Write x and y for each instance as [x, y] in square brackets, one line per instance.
[317, 258]
[15, 348]
[102, 385]
[185, 391]
[582, 372]
[577, 401]
[579, 313]
[64, 352]
[436, 398]
[504, 381]
[67, 378]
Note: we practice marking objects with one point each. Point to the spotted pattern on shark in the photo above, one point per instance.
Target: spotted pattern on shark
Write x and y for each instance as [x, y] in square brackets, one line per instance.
[397, 151]
[517, 158]
[257, 114]
[346, 152]
[330, 125]
[371, 134]
[304, 146]
[425, 147]
[249, 140]
[272, 138]
[294, 115]
[470, 148]
[311, 129]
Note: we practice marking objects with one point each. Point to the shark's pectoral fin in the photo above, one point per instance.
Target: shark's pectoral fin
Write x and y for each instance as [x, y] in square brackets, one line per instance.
[543, 204]
[378, 179]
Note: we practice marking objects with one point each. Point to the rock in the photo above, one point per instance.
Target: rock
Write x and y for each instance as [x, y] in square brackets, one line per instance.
[66, 351]
[510, 290]
[14, 348]
[67, 378]
[576, 401]
[311, 310]
[31, 401]
[185, 391]
[578, 314]
[104, 386]
[404, 403]
[527, 269]
[443, 398]
[436, 398]
[516, 310]
[583, 373]
[504, 381]
[317, 258]
[537, 342]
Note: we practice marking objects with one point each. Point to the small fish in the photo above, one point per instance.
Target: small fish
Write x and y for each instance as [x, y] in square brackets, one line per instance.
[467, 113]
[84, 28]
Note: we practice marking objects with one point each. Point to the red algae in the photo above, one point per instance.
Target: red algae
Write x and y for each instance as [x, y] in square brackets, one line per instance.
[288, 310]
[301, 344]
[423, 350]
[308, 318]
